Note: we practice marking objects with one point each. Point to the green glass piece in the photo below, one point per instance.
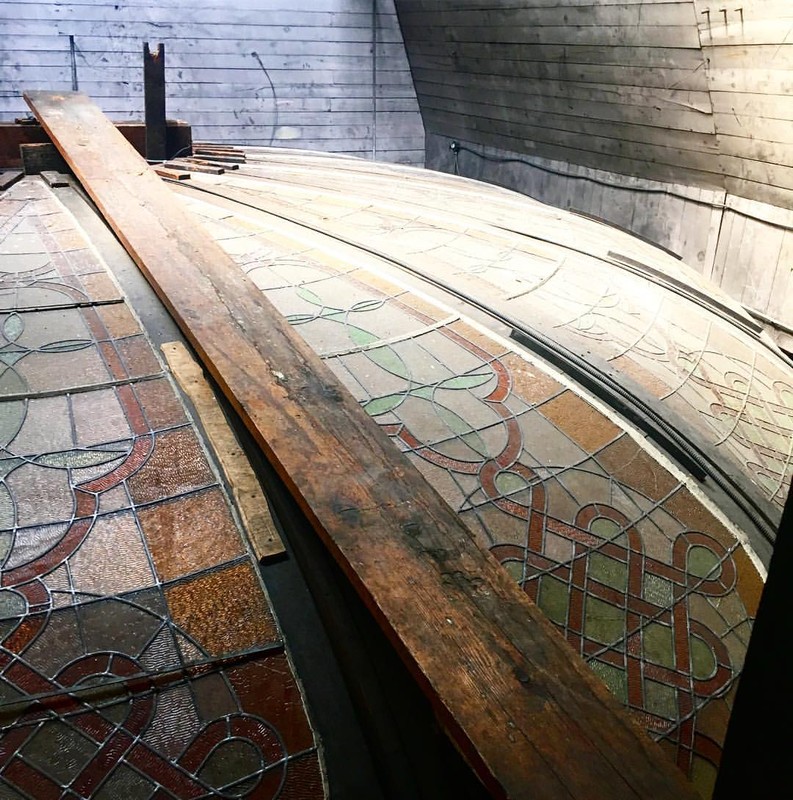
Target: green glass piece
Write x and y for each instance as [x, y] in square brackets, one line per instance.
[7, 515]
[66, 346]
[554, 599]
[359, 336]
[658, 644]
[387, 358]
[300, 319]
[703, 562]
[8, 465]
[382, 405]
[608, 571]
[309, 296]
[76, 459]
[660, 699]
[605, 528]
[424, 392]
[10, 357]
[615, 678]
[703, 660]
[510, 482]
[515, 569]
[465, 381]
[13, 326]
[11, 382]
[457, 425]
[603, 622]
[12, 604]
[657, 590]
[368, 305]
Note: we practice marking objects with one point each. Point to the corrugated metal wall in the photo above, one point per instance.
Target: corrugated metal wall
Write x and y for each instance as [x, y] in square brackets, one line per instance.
[250, 71]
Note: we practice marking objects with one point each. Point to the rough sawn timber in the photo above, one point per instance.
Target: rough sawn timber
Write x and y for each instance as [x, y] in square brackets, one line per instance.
[530, 717]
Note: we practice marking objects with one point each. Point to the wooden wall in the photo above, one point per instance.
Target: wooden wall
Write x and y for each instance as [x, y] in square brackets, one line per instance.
[749, 53]
[221, 58]
[669, 90]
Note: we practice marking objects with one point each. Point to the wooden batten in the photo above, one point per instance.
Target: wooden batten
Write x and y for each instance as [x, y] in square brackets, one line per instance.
[526, 712]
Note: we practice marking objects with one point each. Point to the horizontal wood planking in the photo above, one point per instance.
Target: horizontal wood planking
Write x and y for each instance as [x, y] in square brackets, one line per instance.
[221, 60]
[510, 136]
[528, 715]
[616, 106]
[543, 77]
[632, 36]
[584, 73]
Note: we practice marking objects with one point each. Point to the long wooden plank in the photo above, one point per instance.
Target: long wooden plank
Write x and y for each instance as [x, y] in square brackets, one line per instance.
[530, 717]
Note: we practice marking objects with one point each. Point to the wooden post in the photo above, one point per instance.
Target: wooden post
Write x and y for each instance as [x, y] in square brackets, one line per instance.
[154, 91]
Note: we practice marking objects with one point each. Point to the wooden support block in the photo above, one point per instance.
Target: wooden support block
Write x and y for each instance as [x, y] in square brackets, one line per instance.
[251, 502]
[38, 158]
[227, 151]
[55, 179]
[527, 713]
[213, 163]
[9, 177]
[218, 146]
[172, 174]
[222, 157]
[192, 167]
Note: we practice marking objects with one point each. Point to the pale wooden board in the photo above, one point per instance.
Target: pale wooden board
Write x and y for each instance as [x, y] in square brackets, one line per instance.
[172, 174]
[251, 502]
[9, 177]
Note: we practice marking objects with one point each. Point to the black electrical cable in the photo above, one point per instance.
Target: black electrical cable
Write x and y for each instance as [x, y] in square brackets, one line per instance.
[275, 97]
[457, 148]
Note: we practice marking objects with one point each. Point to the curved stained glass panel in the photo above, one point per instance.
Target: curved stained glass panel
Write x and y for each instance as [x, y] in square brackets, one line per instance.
[409, 298]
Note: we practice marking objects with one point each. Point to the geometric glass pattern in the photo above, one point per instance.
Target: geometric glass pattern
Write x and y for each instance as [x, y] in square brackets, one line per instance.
[623, 555]
[559, 275]
[139, 655]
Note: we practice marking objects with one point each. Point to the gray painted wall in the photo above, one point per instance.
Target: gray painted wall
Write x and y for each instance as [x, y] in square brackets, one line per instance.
[327, 92]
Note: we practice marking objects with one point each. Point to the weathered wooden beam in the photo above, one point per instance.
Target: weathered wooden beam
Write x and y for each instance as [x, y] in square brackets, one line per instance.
[54, 179]
[529, 716]
[189, 166]
[212, 162]
[220, 155]
[154, 102]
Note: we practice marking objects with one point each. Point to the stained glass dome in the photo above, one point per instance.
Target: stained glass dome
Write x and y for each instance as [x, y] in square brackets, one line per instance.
[613, 428]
